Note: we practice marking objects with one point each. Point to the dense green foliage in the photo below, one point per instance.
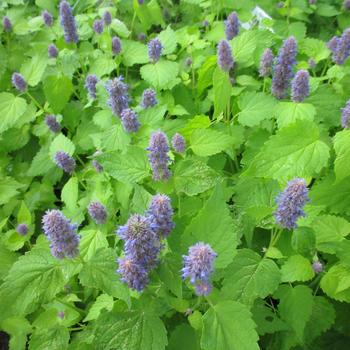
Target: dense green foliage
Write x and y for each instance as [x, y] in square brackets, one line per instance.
[242, 147]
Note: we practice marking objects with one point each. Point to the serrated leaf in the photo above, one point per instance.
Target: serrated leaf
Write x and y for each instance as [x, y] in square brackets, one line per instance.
[33, 69]
[114, 139]
[342, 150]
[103, 66]
[69, 194]
[295, 151]
[120, 28]
[8, 189]
[314, 48]
[250, 276]
[100, 272]
[255, 107]
[41, 163]
[130, 331]
[224, 330]
[58, 90]
[61, 143]
[7, 259]
[168, 39]
[206, 142]
[54, 339]
[12, 108]
[134, 53]
[289, 112]
[222, 91]
[297, 268]
[91, 241]
[161, 75]
[217, 230]
[103, 301]
[243, 47]
[18, 328]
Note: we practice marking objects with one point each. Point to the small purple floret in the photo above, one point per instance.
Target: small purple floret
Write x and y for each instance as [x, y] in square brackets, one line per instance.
[231, 26]
[22, 229]
[107, 18]
[98, 212]
[225, 60]
[68, 23]
[317, 267]
[47, 18]
[65, 162]
[52, 51]
[118, 95]
[90, 85]
[266, 63]
[52, 123]
[7, 25]
[149, 98]
[129, 120]
[98, 26]
[18, 82]
[300, 86]
[178, 143]
[155, 48]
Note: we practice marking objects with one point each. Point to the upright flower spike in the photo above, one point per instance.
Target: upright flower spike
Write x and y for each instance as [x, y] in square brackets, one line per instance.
[198, 267]
[90, 85]
[47, 18]
[266, 63]
[231, 26]
[342, 50]
[61, 234]
[129, 120]
[18, 82]
[345, 116]
[160, 214]
[98, 26]
[300, 86]
[116, 45]
[65, 162]
[68, 22]
[98, 212]
[149, 98]
[7, 25]
[22, 229]
[158, 156]
[52, 123]
[291, 202]
[225, 60]
[118, 95]
[133, 274]
[283, 69]
[107, 18]
[178, 143]
[333, 44]
[52, 51]
[155, 48]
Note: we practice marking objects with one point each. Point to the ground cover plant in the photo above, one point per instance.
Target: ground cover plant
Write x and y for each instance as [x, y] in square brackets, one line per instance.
[174, 174]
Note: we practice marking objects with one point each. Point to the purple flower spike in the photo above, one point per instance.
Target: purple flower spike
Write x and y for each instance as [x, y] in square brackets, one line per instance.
[178, 143]
[107, 18]
[18, 82]
[61, 233]
[160, 214]
[291, 202]
[133, 274]
[68, 23]
[342, 50]
[98, 26]
[266, 62]
[65, 162]
[333, 43]
[6, 23]
[129, 120]
[231, 26]
[317, 267]
[300, 86]
[116, 45]
[225, 60]
[118, 95]
[198, 267]
[90, 85]
[155, 48]
[158, 156]
[345, 116]
[283, 69]
[98, 212]
[149, 98]
[47, 18]
[52, 123]
[22, 229]
[52, 51]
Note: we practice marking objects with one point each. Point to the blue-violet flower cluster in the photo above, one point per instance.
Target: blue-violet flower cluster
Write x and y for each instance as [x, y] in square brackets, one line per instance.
[225, 60]
[118, 95]
[68, 23]
[266, 63]
[300, 86]
[345, 116]
[52, 123]
[65, 161]
[178, 143]
[18, 82]
[129, 120]
[90, 85]
[98, 212]
[231, 26]
[149, 98]
[155, 48]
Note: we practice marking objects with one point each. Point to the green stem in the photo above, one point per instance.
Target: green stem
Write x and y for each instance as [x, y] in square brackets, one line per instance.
[35, 101]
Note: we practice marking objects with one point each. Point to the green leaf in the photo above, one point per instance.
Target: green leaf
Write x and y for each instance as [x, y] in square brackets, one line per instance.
[114, 139]
[61, 143]
[228, 325]
[295, 308]
[168, 39]
[7, 259]
[41, 163]
[18, 328]
[330, 230]
[314, 48]
[249, 277]
[130, 167]
[12, 108]
[69, 194]
[120, 28]
[183, 337]
[217, 230]
[243, 47]
[33, 69]
[295, 151]
[222, 91]
[91, 242]
[193, 177]
[34, 279]
[24, 215]
[297, 268]
[304, 241]
[289, 112]
[100, 272]
[161, 75]
[255, 107]
[58, 90]
[8, 189]
[134, 53]
[103, 301]
[54, 339]
[342, 150]
[103, 66]
[205, 73]
[206, 142]
[132, 330]
[197, 122]
[169, 273]
[336, 282]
